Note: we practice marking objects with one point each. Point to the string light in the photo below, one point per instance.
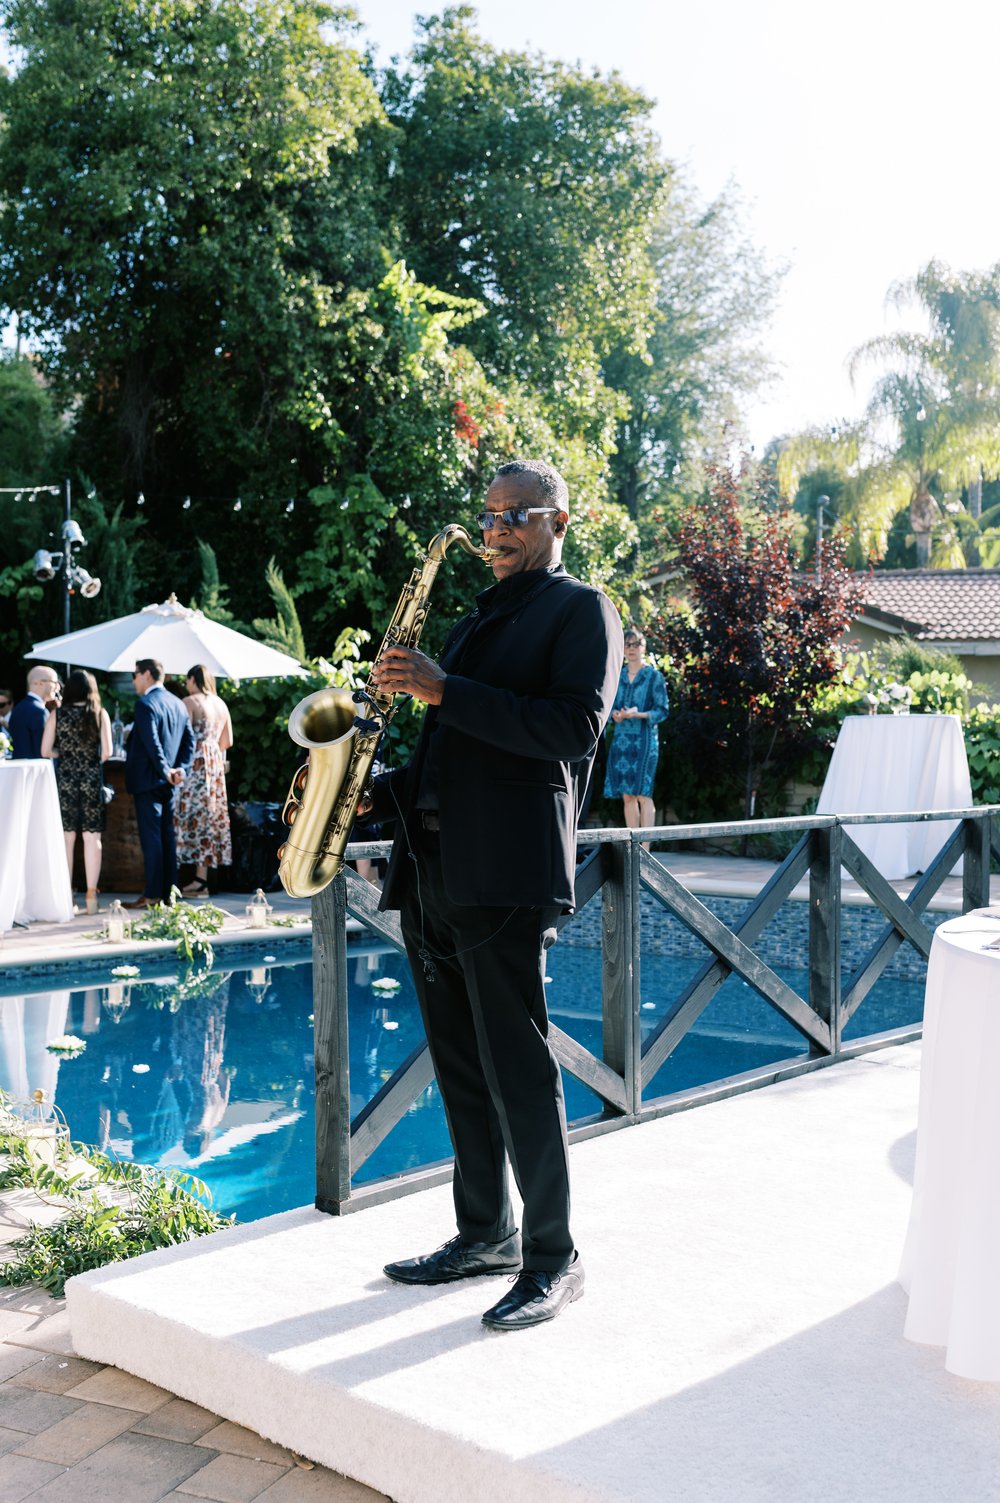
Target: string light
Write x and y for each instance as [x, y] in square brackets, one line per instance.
[140, 499]
[187, 504]
[290, 507]
[238, 504]
[20, 491]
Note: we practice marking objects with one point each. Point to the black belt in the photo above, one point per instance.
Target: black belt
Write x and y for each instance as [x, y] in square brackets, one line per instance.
[430, 820]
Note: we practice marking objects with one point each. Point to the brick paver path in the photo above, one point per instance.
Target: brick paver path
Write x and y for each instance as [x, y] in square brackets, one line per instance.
[75, 1432]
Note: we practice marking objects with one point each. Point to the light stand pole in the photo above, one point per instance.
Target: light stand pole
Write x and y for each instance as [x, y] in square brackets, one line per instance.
[47, 564]
[822, 502]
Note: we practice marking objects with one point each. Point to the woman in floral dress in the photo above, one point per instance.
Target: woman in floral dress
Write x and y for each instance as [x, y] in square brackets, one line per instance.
[201, 807]
[640, 705]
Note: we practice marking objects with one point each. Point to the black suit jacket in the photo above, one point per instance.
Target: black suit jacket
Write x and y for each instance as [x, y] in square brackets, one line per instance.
[161, 739]
[516, 734]
[26, 724]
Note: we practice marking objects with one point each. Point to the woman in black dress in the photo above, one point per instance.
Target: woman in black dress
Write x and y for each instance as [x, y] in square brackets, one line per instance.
[78, 734]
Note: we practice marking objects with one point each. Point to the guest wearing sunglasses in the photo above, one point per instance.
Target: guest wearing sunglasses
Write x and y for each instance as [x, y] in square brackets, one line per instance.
[483, 863]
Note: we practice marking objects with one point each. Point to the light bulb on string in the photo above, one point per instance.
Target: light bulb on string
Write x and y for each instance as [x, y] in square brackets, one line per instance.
[140, 499]
[238, 504]
[186, 504]
[290, 507]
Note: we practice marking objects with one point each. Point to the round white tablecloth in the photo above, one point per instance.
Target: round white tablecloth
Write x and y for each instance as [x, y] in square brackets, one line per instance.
[894, 764]
[951, 1260]
[34, 876]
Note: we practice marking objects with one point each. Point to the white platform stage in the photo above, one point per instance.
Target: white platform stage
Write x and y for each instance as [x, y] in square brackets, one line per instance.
[740, 1336]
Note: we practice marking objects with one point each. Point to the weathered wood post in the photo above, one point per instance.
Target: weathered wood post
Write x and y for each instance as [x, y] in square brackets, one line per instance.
[976, 863]
[620, 968]
[333, 1076]
[824, 932]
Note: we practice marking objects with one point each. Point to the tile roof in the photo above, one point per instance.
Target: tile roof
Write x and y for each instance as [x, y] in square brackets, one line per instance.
[936, 605]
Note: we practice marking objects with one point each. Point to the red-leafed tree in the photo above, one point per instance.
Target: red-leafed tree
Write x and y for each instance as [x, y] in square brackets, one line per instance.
[759, 637]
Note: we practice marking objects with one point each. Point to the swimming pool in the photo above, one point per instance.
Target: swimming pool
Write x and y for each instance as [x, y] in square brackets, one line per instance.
[216, 1078]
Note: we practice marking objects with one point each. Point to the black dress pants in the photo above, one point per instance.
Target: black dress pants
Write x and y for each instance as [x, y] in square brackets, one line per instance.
[479, 978]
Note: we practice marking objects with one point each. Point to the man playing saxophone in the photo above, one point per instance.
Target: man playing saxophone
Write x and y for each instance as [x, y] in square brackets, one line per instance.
[483, 862]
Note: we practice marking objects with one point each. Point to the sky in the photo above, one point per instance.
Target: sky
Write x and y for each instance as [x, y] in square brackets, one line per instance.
[862, 138]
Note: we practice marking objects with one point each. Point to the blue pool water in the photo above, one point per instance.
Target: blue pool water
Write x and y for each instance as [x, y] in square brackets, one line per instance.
[218, 1079]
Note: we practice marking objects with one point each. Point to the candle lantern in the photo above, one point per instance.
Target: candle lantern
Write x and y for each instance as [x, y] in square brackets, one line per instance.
[258, 910]
[117, 924]
[258, 982]
[116, 1000]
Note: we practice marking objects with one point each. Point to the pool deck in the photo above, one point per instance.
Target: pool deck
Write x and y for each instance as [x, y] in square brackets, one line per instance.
[741, 1335]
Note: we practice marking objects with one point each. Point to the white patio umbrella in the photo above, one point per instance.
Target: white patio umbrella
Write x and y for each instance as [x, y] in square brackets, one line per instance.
[173, 635]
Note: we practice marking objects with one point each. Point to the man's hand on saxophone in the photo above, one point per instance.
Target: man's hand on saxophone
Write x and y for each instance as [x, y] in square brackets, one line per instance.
[405, 670]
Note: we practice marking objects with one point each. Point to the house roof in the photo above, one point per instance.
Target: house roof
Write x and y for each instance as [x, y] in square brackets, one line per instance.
[935, 605]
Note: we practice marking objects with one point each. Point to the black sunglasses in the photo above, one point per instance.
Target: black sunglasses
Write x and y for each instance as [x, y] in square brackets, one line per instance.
[514, 516]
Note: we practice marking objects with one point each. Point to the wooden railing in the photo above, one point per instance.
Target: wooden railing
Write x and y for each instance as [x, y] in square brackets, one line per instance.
[621, 1076]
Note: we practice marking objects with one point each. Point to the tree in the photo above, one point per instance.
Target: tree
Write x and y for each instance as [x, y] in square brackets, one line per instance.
[714, 293]
[758, 639]
[182, 291]
[930, 427]
[533, 189]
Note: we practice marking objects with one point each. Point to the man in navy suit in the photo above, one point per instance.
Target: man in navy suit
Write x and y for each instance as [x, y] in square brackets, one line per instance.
[158, 754]
[27, 719]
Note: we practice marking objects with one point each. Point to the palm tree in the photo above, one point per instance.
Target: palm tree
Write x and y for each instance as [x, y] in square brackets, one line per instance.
[930, 428]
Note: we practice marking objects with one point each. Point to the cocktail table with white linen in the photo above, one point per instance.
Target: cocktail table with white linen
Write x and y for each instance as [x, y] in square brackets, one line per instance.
[34, 876]
[897, 764]
[951, 1261]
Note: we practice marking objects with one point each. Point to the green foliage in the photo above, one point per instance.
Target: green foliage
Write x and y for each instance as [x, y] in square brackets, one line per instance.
[982, 743]
[30, 431]
[499, 154]
[284, 632]
[113, 1209]
[190, 925]
[902, 656]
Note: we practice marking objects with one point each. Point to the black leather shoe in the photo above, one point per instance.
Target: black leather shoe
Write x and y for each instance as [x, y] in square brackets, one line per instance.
[458, 1260]
[536, 1296]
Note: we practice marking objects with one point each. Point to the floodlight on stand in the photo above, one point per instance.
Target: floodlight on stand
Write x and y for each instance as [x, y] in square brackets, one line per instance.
[85, 583]
[72, 535]
[45, 564]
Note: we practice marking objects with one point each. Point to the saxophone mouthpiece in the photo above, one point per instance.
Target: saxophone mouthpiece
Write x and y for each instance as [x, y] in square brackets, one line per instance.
[489, 554]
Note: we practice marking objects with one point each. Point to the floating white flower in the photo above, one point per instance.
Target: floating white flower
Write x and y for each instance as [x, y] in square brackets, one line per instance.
[386, 984]
[140, 1069]
[66, 1043]
[390, 1025]
[125, 970]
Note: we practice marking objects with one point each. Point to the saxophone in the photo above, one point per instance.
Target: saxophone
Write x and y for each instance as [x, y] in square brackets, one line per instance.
[322, 801]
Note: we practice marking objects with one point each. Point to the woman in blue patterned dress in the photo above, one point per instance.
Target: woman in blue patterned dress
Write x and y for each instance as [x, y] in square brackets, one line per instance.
[640, 705]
